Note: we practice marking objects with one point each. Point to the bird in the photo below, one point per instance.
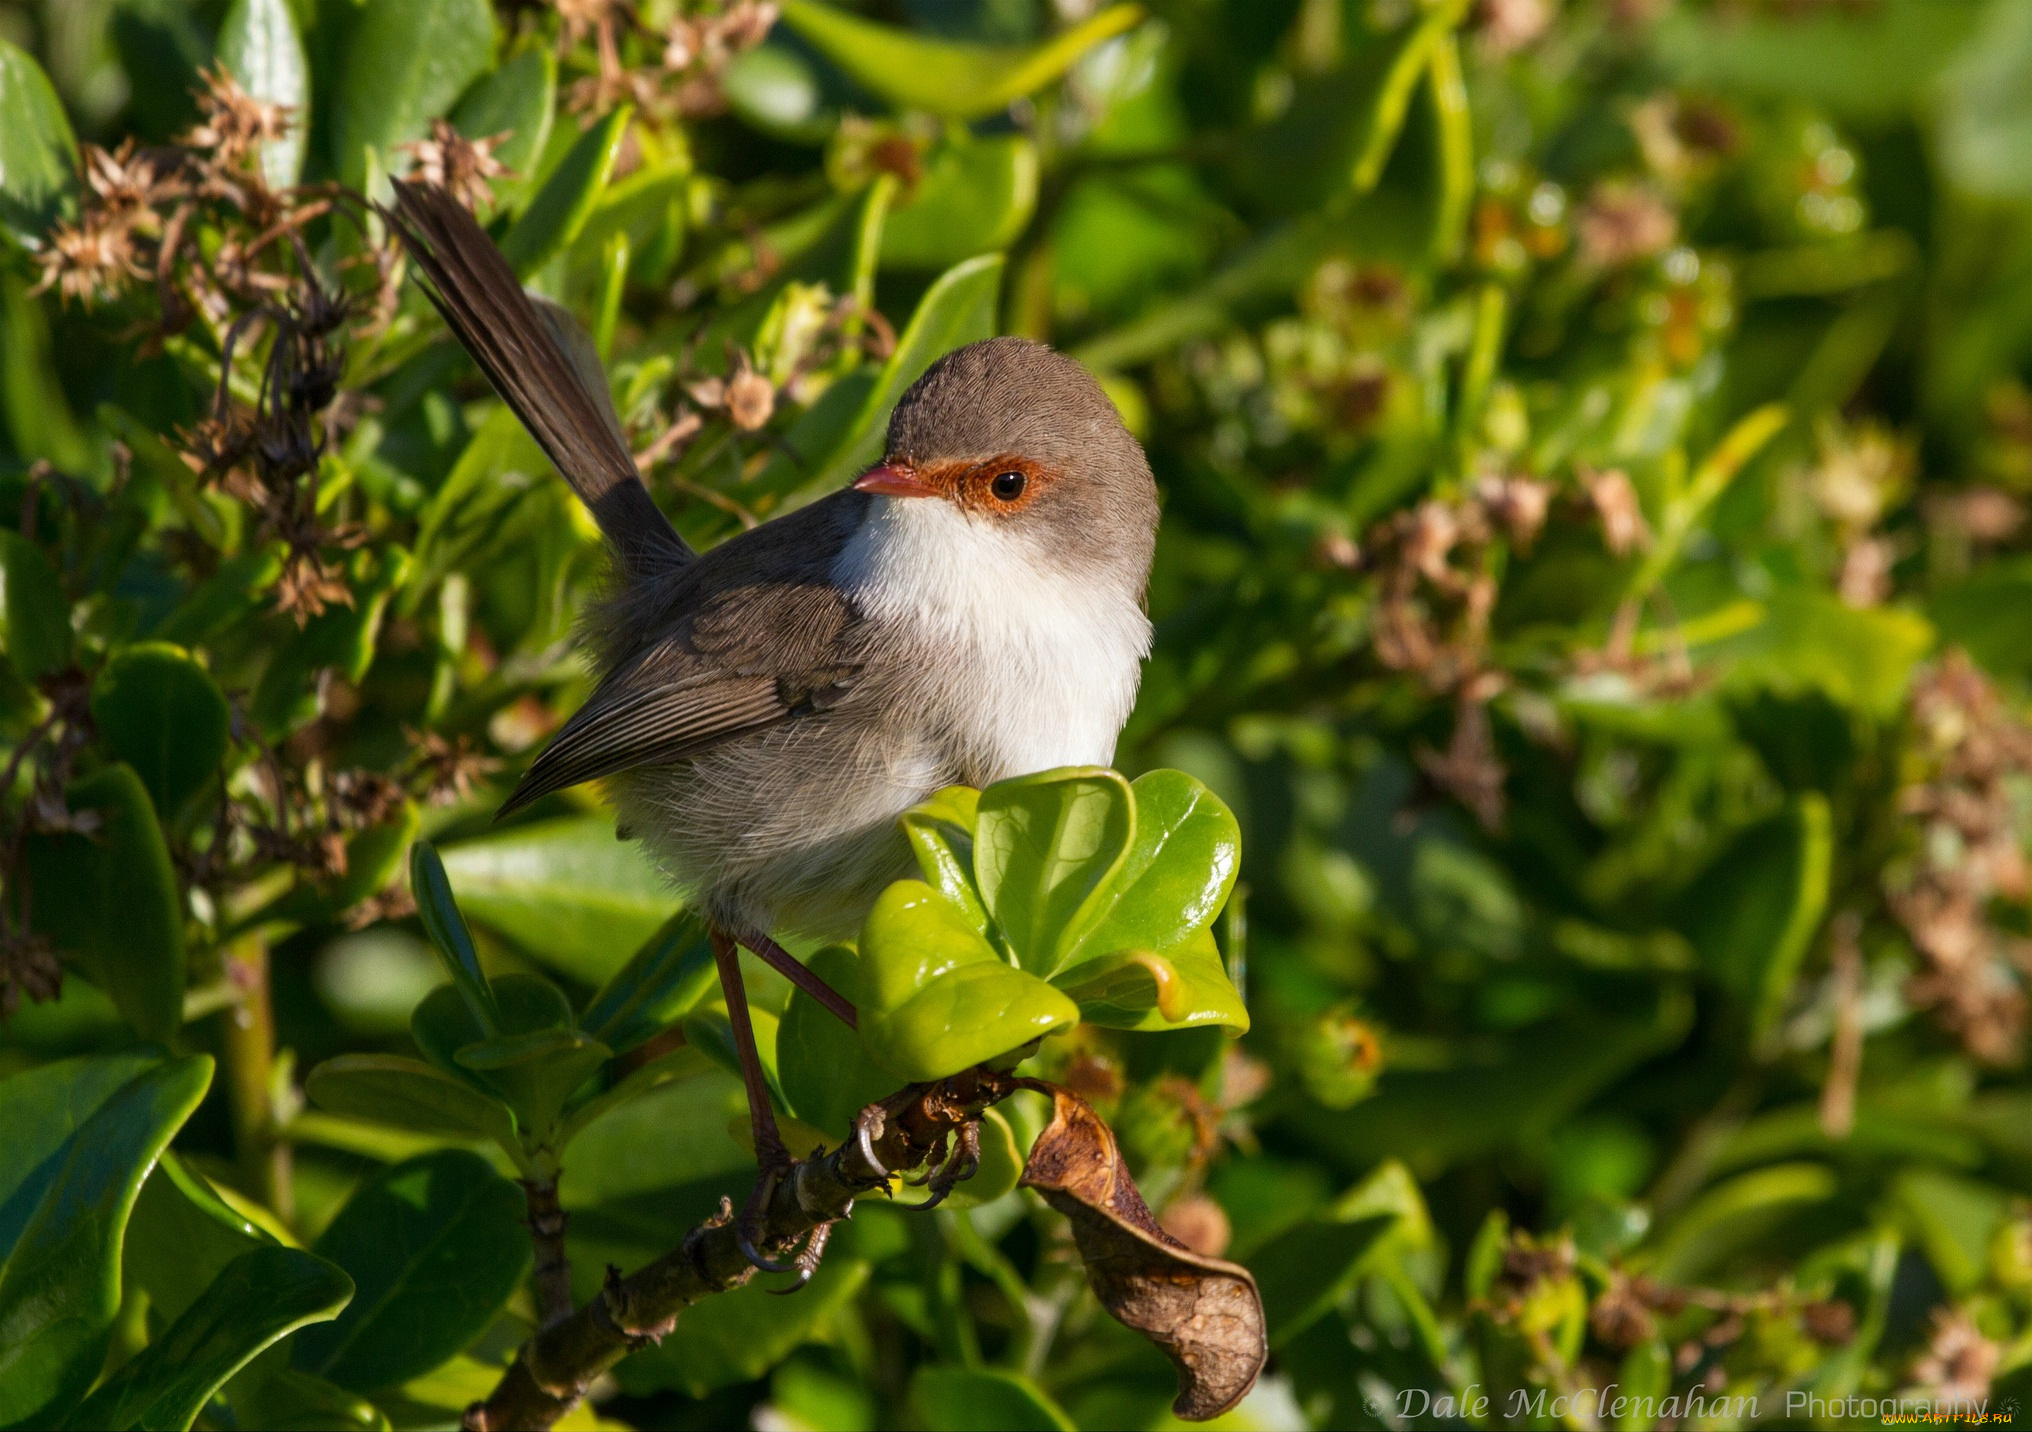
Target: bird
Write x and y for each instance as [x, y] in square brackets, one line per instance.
[969, 608]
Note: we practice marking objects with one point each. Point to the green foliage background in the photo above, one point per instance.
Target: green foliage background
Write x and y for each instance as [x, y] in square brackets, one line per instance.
[1594, 438]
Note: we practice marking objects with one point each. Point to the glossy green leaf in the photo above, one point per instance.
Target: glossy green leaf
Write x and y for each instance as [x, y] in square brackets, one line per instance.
[405, 63]
[1182, 987]
[946, 77]
[35, 620]
[81, 1136]
[260, 47]
[1181, 865]
[565, 892]
[38, 155]
[434, 1247]
[662, 980]
[536, 1072]
[180, 1236]
[958, 309]
[446, 926]
[1047, 851]
[739, 1336]
[975, 197]
[980, 1399]
[826, 1073]
[514, 105]
[941, 836]
[110, 898]
[161, 713]
[678, 1065]
[272, 1395]
[567, 198]
[936, 997]
[1753, 914]
[231, 594]
[259, 1298]
[409, 1094]
[771, 87]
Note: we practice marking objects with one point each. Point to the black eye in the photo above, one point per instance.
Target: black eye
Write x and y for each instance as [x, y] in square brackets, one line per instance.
[1008, 486]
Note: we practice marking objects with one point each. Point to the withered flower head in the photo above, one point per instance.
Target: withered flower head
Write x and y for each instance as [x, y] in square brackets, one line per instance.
[233, 124]
[1623, 222]
[89, 260]
[309, 584]
[460, 165]
[27, 966]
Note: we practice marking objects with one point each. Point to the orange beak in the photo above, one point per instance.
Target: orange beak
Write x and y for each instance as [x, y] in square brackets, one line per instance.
[894, 481]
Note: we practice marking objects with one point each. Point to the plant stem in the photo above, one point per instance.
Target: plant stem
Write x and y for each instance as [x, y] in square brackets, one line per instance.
[247, 1054]
[551, 1373]
[546, 1231]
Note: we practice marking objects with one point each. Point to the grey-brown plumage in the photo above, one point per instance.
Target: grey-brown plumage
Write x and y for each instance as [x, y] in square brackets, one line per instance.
[970, 610]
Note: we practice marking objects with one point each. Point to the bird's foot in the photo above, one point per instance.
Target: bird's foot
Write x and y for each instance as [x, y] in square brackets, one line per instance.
[961, 1164]
[751, 1228]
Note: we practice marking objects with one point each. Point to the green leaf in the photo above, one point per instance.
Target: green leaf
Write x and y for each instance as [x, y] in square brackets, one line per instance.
[111, 899]
[709, 1029]
[1181, 865]
[435, 1246]
[161, 713]
[1753, 913]
[1733, 1215]
[1183, 987]
[1985, 133]
[958, 309]
[405, 63]
[513, 104]
[771, 87]
[409, 1094]
[35, 620]
[565, 892]
[537, 1072]
[976, 197]
[1047, 850]
[181, 1236]
[740, 1335]
[980, 1399]
[81, 1136]
[230, 595]
[1305, 1270]
[567, 198]
[274, 1396]
[258, 1299]
[647, 1079]
[946, 77]
[662, 980]
[1860, 657]
[260, 47]
[38, 155]
[936, 997]
[826, 1073]
[941, 835]
[439, 913]
[1337, 134]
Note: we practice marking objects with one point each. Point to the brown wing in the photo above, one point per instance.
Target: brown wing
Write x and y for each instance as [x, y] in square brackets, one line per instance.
[755, 652]
[542, 366]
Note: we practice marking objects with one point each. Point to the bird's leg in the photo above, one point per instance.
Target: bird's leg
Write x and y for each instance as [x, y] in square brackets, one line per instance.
[771, 1157]
[792, 969]
[951, 1172]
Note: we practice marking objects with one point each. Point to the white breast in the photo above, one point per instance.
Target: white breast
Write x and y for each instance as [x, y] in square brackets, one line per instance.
[1032, 668]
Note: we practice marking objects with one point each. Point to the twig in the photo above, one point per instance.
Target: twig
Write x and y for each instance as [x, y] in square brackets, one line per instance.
[552, 1372]
[546, 1222]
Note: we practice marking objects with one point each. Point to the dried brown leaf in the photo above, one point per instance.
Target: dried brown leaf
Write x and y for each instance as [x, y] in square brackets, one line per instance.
[1203, 1313]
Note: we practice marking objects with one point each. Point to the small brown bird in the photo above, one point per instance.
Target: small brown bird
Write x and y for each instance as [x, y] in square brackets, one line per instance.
[970, 609]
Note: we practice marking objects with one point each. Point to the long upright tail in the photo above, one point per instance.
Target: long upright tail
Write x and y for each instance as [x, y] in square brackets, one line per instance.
[543, 366]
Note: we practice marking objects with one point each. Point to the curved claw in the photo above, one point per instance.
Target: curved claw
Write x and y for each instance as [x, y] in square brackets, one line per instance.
[807, 1260]
[864, 1140]
[746, 1225]
[933, 1162]
[960, 1165]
